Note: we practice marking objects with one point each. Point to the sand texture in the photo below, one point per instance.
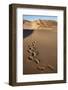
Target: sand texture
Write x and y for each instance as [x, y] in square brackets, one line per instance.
[40, 47]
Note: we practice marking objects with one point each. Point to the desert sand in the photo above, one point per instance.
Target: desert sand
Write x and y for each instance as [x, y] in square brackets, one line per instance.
[44, 42]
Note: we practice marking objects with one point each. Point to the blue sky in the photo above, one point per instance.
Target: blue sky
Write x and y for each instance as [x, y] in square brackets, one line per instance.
[36, 17]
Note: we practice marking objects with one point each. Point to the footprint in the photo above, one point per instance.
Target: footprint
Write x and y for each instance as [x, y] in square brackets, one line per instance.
[37, 61]
[30, 58]
[30, 51]
[41, 68]
[34, 54]
[37, 52]
[34, 42]
[50, 67]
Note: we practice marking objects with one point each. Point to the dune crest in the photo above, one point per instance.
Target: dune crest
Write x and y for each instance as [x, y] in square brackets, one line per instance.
[39, 24]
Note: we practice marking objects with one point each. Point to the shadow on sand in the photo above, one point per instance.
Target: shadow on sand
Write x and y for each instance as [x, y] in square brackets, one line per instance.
[27, 32]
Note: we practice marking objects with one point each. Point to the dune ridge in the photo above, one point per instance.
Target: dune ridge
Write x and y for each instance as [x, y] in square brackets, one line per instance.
[39, 24]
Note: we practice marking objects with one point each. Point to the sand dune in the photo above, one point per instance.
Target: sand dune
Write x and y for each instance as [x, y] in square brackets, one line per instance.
[46, 44]
[40, 24]
[44, 34]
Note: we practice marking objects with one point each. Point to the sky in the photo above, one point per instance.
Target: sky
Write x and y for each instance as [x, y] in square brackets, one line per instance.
[36, 17]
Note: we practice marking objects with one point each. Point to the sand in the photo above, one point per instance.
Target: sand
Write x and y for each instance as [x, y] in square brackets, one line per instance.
[46, 45]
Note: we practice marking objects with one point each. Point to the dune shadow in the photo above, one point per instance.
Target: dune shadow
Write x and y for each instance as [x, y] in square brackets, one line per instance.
[27, 32]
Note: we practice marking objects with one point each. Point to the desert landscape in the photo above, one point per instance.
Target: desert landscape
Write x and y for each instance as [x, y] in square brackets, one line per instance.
[39, 46]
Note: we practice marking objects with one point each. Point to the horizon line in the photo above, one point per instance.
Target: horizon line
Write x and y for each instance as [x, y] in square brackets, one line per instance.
[39, 17]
